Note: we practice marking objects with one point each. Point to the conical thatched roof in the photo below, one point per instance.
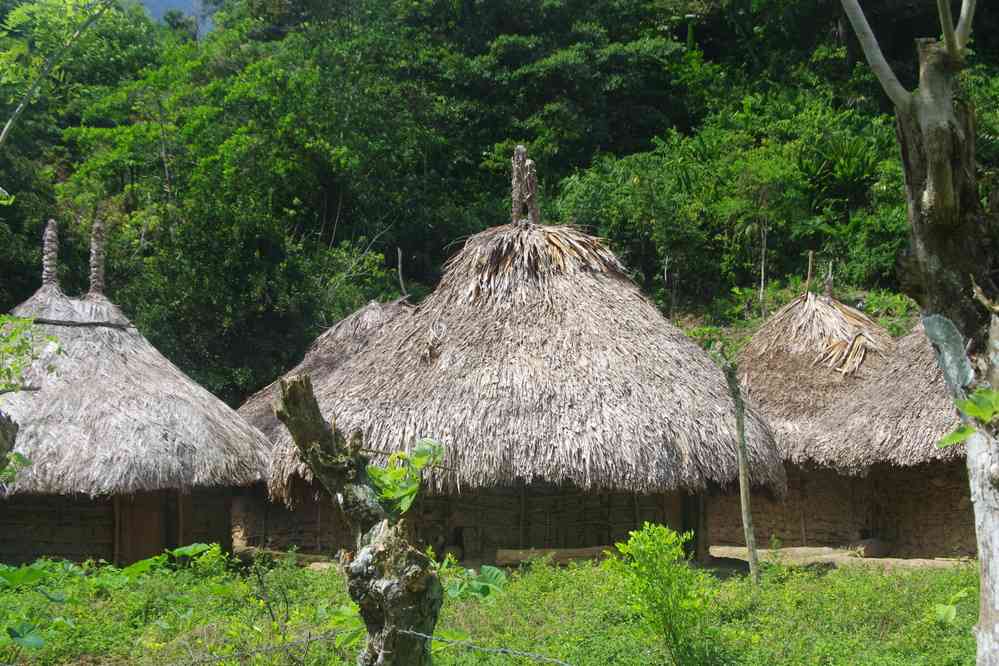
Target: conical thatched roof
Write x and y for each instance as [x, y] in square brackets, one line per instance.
[537, 359]
[809, 354]
[106, 413]
[344, 339]
[896, 416]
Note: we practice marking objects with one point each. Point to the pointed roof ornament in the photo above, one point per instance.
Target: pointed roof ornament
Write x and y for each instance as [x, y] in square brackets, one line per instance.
[524, 188]
[50, 254]
[829, 281]
[97, 259]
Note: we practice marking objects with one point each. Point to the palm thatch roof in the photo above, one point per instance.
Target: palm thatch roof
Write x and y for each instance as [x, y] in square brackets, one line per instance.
[347, 337]
[895, 417]
[105, 413]
[809, 354]
[538, 359]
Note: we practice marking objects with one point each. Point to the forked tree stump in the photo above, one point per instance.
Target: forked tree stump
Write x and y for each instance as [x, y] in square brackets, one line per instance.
[393, 582]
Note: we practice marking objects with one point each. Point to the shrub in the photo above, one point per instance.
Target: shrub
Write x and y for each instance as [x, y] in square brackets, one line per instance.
[672, 598]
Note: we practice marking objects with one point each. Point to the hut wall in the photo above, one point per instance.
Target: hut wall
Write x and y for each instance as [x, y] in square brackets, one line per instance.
[314, 526]
[925, 511]
[54, 526]
[922, 511]
[474, 526]
[205, 517]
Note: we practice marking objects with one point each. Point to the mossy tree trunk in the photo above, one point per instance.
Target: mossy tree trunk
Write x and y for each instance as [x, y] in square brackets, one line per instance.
[393, 583]
[950, 248]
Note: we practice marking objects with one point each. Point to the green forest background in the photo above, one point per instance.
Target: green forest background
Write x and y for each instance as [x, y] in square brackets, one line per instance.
[262, 180]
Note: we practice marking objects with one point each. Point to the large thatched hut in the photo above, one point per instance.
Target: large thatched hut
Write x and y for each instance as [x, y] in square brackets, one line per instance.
[857, 417]
[127, 454]
[309, 520]
[570, 410]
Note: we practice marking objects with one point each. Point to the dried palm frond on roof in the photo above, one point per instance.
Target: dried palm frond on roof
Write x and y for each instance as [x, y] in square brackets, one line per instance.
[895, 417]
[808, 354]
[112, 415]
[342, 340]
[537, 359]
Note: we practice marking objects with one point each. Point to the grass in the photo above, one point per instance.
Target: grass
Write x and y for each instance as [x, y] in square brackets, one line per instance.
[581, 614]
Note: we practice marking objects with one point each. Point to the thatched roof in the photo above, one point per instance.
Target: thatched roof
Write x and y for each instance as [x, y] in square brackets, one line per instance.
[341, 341]
[106, 413]
[894, 417]
[809, 354]
[537, 359]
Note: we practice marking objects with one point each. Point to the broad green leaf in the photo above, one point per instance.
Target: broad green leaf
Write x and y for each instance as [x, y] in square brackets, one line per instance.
[192, 550]
[958, 436]
[945, 613]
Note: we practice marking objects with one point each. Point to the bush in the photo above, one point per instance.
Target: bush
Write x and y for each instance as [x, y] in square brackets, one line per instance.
[673, 598]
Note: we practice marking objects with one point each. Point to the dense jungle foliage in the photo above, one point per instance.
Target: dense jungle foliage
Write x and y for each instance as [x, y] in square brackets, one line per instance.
[262, 179]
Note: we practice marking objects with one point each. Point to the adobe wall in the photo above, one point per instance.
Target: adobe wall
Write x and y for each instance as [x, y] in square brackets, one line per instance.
[474, 524]
[926, 510]
[57, 527]
[922, 511]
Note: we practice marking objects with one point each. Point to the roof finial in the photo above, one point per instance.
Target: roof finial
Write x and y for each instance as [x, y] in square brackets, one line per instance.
[531, 193]
[97, 258]
[50, 254]
[519, 163]
[829, 281]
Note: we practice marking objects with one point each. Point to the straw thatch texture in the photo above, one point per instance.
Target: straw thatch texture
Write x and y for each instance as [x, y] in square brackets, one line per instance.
[344, 339]
[537, 359]
[809, 354]
[111, 415]
[895, 417]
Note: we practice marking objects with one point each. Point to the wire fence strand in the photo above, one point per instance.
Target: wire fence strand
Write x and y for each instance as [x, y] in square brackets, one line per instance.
[540, 658]
[331, 635]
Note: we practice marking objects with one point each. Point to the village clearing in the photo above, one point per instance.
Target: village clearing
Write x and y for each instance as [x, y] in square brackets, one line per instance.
[213, 612]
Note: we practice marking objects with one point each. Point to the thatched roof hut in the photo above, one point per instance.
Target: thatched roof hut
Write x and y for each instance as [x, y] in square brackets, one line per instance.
[537, 359]
[105, 413]
[811, 353]
[895, 417]
[347, 337]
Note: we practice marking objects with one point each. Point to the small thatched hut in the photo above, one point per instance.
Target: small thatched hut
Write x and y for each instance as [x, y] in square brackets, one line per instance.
[811, 354]
[858, 431]
[315, 523]
[887, 431]
[127, 454]
[570, 410]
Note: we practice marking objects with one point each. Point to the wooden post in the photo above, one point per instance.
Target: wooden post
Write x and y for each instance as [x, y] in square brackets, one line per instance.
[523, 515]
[744, 481]
[808, 280]
[116, 503]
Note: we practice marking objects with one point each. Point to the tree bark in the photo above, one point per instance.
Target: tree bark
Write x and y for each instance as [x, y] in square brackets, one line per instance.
[948, 230]
[392, 582]
[744, 481]
[950, 250]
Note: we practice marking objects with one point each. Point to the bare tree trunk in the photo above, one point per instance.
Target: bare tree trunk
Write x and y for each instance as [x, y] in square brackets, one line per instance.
[393, 582]
[949, 249]
[948, 233]
[744, 481]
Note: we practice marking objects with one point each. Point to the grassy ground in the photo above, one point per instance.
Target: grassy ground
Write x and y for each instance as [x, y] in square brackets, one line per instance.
[581, 614]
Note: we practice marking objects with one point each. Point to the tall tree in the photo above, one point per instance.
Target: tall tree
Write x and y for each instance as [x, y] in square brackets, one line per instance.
[949, 245]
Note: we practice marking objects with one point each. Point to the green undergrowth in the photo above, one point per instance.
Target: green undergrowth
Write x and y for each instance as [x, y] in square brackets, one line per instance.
[182, 611]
